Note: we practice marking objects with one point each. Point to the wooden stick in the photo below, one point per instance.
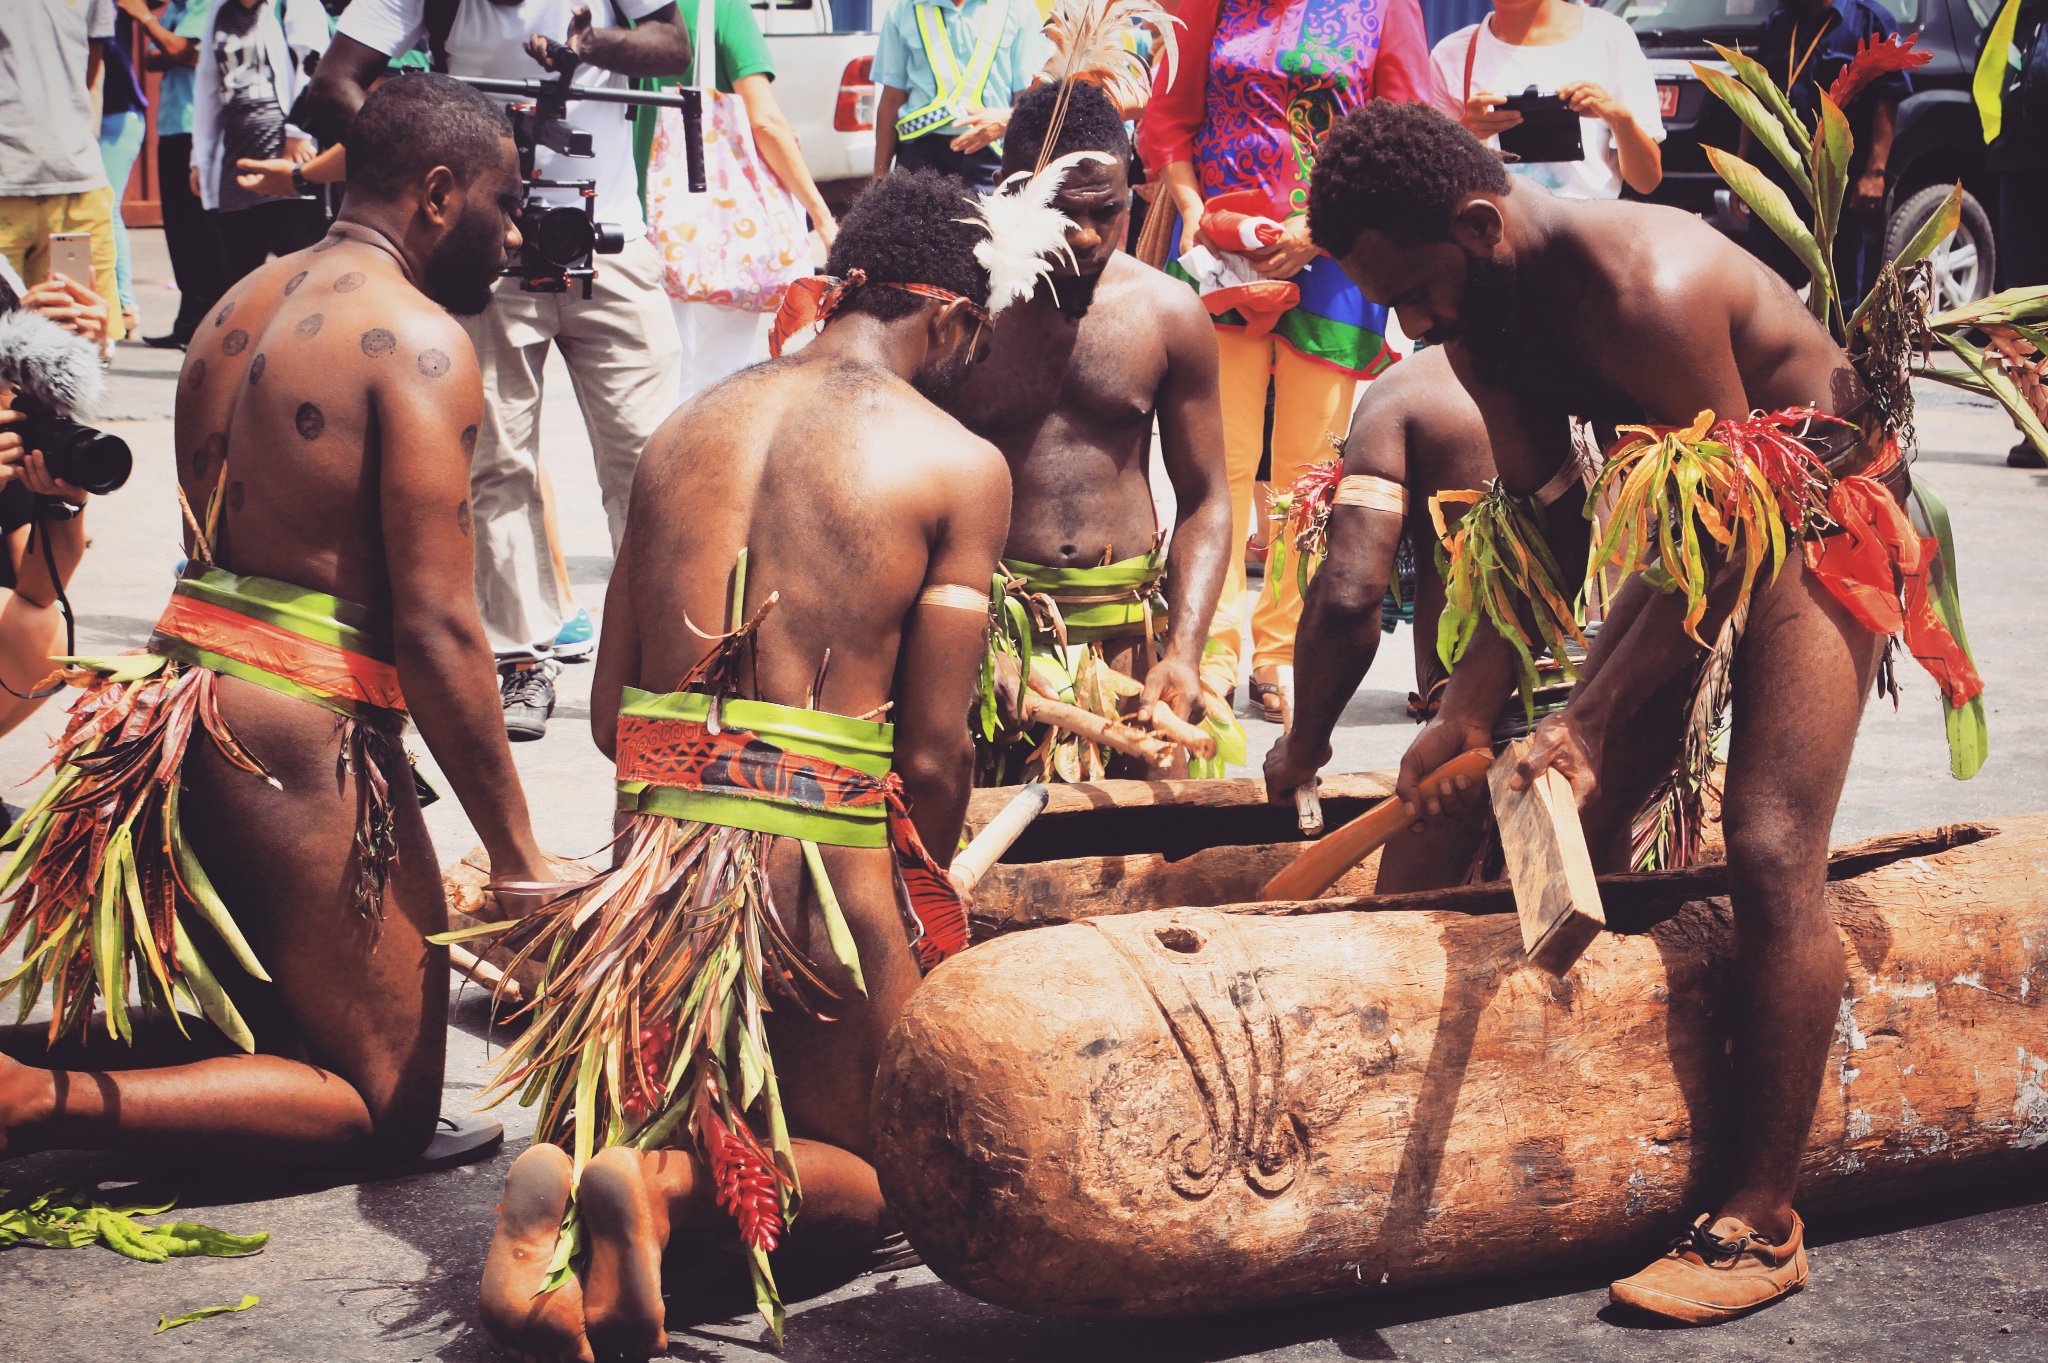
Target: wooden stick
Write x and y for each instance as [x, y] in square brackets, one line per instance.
[1308, 800]
[987, 848]
[1323, 864]
[485, 974]
[1199, 742]
[1035, 709]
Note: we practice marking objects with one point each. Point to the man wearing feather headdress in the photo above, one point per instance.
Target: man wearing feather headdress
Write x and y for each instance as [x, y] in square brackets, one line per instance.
[233, 830]
[1642, 318]
[791, 638]
[1098, 347]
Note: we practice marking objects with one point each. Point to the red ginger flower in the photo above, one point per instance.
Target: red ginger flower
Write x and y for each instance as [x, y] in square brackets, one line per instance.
[1875, 56]
[748, 1187]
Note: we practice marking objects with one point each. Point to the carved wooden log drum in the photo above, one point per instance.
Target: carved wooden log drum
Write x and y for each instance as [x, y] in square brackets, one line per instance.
[1186, 1110]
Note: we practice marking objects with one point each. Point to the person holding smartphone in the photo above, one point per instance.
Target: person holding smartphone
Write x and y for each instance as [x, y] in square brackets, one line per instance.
[1588, 58]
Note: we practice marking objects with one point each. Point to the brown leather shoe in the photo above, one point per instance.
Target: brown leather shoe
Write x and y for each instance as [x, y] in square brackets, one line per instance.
[1715, 1273]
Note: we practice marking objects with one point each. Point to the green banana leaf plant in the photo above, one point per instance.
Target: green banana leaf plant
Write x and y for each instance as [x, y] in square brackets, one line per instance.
[2011, 367]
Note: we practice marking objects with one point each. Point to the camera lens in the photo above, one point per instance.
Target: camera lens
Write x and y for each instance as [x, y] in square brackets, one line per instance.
[562, 236]
[84, 457]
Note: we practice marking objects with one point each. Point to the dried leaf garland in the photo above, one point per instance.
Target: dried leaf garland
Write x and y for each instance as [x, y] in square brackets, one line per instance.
[101, 881]
[1495, 563]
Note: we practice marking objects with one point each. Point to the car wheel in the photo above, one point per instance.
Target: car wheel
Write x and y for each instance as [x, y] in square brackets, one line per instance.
[1965, 264]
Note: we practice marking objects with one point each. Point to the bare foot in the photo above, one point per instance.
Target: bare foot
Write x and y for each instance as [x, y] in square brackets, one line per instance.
[544, 1328]
[628, 1229]
[25, 1101]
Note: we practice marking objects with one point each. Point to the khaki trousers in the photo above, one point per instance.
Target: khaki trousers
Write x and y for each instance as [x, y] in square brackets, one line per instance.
[26, 222]
[623, 359]
[1310, 402]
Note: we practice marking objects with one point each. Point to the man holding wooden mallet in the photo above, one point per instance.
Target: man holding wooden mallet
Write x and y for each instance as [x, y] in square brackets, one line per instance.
[1624, 313]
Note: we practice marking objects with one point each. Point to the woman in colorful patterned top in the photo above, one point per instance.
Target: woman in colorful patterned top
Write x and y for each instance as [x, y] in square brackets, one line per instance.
[1263, 80]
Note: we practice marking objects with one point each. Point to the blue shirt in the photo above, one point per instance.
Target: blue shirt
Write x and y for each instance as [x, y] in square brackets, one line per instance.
[900, 60]
[1849, 23]
[187, 19]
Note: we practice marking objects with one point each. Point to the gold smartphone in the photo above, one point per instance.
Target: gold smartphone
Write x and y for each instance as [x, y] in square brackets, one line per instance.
[71, 256]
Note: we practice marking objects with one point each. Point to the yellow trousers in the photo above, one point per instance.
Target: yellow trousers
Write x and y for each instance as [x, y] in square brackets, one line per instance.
[26, 223]
[1311, 403]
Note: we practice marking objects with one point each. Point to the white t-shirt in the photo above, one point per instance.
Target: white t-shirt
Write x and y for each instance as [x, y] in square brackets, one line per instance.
[1604, 52]
[49, 134]
[490, 40]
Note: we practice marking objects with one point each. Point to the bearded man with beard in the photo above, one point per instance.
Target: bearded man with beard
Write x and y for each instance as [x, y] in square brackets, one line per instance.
[1076, 379]
[1627, 314]
[233, 819]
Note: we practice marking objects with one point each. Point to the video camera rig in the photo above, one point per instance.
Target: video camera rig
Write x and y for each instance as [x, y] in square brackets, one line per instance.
[556, 242]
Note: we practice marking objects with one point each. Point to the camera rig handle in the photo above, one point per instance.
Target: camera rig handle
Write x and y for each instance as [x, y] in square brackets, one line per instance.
[550, 103]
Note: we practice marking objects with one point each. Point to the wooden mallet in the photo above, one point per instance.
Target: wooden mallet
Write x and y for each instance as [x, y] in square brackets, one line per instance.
[1323, 864]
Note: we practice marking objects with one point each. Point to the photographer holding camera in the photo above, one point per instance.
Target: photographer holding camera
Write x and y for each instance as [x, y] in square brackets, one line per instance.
[49, 373]
[619, 341]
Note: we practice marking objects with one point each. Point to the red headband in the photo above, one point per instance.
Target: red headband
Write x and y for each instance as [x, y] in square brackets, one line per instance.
[812, 300]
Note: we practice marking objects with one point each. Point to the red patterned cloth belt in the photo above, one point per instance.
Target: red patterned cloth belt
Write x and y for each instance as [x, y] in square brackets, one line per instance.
[327, 670]
[788, 793]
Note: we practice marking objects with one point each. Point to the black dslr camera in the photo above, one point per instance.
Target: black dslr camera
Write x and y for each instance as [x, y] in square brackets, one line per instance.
[72, 451]
[557, 242]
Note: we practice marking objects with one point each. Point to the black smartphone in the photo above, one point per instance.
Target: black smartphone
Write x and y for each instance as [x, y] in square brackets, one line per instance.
[1549, 130]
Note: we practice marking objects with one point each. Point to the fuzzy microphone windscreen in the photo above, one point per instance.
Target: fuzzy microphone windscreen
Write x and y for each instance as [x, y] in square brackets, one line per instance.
[54, 366]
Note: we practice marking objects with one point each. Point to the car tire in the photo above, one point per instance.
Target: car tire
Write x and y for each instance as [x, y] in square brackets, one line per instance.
[1966, 263]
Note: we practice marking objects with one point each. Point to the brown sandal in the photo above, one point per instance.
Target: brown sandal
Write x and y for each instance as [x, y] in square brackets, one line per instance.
[1266, 702]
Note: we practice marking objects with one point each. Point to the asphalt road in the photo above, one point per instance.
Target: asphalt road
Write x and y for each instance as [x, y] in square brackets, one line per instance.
[385, 1269]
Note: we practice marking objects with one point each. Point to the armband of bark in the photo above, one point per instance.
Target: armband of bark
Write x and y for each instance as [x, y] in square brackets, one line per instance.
[1497, 563]
[1737, 489]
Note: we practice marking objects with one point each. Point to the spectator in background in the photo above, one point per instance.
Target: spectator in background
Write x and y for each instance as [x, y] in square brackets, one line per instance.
[197, 259]
[2017, 131]
[957, 64]
[1806, 44]
[719, 340]
[1579, 52]
[619, 344]
[51, 176]
[121, 128]
[1259, 85]
[252, 67]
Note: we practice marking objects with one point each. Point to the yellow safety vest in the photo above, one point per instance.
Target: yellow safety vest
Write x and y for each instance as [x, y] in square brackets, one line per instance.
[955, 94]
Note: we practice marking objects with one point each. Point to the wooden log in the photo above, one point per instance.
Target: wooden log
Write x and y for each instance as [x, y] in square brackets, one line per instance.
[1124, 846]
[1544, 847]
[1322, 864]
[1195, 1111]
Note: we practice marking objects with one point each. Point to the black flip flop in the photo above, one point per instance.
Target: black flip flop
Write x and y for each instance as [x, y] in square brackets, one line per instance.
[1268, 710]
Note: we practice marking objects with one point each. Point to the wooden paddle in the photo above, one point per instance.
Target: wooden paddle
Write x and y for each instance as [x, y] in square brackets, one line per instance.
[1556, 896]
[1323, 864]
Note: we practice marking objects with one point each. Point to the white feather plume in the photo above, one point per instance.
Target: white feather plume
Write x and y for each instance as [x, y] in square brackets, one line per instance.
[1027, 236]
[1089, 38]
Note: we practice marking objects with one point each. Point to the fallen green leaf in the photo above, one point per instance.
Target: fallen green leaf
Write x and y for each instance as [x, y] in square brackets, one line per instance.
[164, 1323]
[62, 1219]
